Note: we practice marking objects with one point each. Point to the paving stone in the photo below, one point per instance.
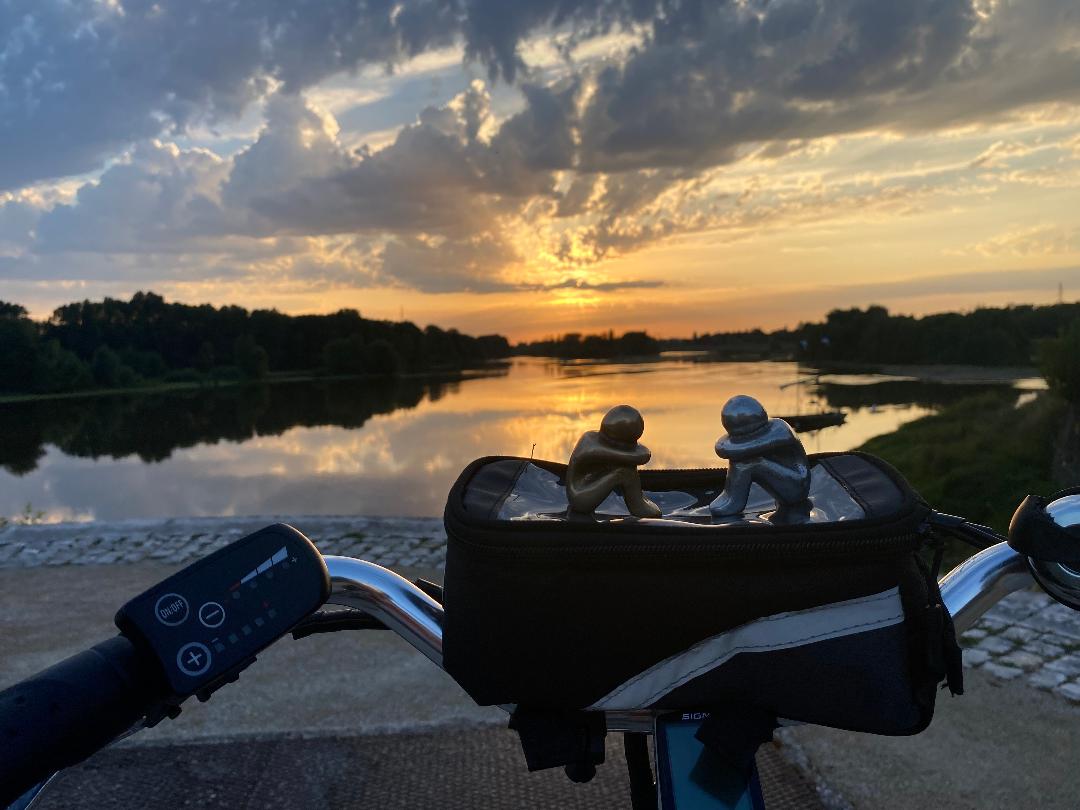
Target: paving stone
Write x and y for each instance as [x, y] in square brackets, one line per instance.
[1020, 658]
[975, 657]
[995, 645]
[1069, 664]
[1001, 671]
[1044, 649]
[992, 624]
[1046, 679]
[1019, 634]
[973, 635]
[1070, 691]
[1017, 606]
[1055, 618]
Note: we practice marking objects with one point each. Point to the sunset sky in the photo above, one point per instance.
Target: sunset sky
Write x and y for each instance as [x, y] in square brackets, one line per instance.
[544, 166]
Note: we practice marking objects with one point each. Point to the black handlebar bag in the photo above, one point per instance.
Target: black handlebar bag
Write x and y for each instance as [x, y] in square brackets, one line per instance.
[837, 621]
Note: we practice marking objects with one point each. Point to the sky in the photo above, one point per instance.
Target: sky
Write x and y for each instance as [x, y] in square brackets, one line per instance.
[542, 166]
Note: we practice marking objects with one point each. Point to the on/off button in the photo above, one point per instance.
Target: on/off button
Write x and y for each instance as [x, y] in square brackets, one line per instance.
[171, 609]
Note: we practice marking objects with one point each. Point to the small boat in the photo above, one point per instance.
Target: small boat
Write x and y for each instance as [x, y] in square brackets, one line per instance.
[806, 422]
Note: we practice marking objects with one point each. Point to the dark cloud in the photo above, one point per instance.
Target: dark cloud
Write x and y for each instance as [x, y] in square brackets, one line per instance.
[81, 79]
[602, 286]
[714, 78]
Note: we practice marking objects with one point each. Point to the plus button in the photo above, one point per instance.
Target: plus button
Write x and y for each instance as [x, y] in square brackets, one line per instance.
[193, 659]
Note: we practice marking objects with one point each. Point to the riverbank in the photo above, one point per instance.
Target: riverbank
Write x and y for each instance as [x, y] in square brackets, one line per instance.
[980, 456]
[495, 367]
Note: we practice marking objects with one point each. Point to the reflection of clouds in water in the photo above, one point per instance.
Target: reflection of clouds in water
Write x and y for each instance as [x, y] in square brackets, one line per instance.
[404, 462]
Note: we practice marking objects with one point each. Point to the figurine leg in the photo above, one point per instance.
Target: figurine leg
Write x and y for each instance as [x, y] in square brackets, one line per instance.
[788, 485]
[736, 490]
[585, 499]
[636, 502]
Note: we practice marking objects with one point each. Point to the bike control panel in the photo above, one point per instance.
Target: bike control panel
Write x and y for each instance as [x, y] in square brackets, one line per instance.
[208, 621]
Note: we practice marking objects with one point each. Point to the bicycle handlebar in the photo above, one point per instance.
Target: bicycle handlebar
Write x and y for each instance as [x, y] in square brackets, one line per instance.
[62, 715]
[65, 713]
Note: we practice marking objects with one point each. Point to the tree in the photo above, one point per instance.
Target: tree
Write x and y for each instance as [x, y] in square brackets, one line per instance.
[381, 358]
[250, 358]
[344, 355]
[9, 310]
[19, 347]
[204, 359]
[56, 369]
[1059, 361]
[109, 370]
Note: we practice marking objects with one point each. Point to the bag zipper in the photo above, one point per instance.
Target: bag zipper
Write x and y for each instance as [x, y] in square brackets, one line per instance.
[753, 550]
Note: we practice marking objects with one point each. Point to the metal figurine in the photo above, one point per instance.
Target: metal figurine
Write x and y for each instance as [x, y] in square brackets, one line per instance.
[766, 452]
[606, 459]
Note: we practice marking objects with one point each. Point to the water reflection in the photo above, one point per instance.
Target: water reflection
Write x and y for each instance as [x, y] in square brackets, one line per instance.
[391, 448]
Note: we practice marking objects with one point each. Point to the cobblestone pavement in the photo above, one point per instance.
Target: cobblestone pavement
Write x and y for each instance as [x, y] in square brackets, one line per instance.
[1026, 636]
[386, 541]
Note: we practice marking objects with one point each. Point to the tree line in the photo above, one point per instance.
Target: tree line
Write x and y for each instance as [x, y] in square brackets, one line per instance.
[115, 344]
[987, 336]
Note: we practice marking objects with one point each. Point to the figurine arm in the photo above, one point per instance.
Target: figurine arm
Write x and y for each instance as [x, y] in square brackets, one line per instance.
[778, 436]
[639, 455]
[594, 451]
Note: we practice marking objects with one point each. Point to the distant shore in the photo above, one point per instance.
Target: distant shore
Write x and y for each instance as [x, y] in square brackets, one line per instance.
[273, 379]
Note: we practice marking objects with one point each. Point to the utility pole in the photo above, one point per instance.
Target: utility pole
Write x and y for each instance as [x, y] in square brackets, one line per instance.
[1061, 293]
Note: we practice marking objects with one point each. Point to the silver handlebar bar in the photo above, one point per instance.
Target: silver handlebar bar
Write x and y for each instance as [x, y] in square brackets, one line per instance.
[981, 581]
[392, 599]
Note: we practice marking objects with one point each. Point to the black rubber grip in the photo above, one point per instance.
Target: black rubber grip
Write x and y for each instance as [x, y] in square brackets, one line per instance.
[65, 713]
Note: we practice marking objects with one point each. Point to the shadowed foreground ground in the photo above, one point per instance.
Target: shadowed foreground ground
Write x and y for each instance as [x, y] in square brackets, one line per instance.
[454, 768]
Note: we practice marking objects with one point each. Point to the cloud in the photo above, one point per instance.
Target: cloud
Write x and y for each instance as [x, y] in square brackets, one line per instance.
[81, 80]
[716, 77]
[1038, 240]
[599, 156]
[602, 286]
[444, 266]
[158, 199]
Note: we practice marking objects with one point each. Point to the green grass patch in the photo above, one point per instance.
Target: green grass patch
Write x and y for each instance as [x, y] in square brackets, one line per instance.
[978, 457]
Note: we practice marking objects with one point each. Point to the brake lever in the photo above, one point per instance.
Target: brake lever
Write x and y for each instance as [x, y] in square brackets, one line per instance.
[332, 621]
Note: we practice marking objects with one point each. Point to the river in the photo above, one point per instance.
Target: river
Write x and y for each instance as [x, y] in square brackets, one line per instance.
[395, 447]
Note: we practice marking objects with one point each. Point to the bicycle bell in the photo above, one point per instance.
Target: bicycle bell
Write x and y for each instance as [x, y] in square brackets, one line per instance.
[1047, 532]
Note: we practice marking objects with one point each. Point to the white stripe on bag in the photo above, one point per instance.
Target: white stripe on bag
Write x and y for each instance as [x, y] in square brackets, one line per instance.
[779, 632]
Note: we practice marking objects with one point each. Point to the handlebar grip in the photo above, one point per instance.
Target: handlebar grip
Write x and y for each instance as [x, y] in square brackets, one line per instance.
[65, 713]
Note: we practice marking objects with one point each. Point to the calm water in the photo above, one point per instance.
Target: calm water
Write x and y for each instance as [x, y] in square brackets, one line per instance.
[392, 448]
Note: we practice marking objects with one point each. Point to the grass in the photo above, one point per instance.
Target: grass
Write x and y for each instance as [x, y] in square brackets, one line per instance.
[978, 457]
[28, 517]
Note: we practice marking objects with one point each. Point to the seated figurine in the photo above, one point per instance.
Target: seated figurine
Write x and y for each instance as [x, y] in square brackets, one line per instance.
[763, 451]
[606, 459]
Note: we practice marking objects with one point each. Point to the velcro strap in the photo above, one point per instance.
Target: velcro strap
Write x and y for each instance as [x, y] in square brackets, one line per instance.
[552, 739]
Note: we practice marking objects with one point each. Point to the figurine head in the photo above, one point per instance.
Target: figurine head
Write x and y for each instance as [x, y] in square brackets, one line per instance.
[623, 424]
[743, 415]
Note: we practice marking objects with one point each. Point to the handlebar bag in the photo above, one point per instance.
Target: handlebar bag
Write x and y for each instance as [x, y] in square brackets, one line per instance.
[836, 621]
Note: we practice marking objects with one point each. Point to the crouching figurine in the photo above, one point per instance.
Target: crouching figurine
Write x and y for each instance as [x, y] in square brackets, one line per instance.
[606, 459]
[766, 452]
